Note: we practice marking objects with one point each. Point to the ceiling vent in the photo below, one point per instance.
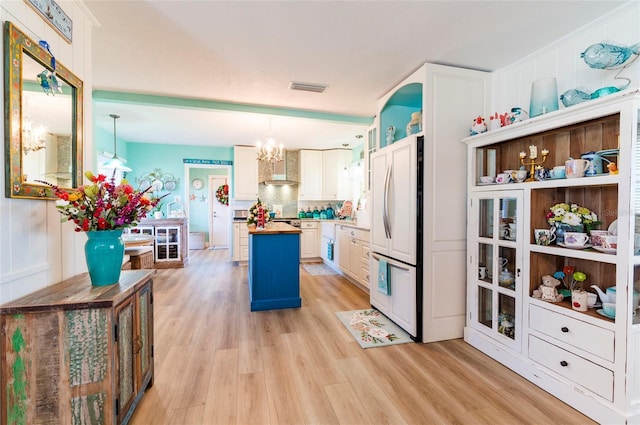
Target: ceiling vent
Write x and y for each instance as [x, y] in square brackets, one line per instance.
[316, 88]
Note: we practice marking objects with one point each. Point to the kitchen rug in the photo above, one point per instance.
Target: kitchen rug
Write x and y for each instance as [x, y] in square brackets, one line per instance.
[372, 328]
[318, 269]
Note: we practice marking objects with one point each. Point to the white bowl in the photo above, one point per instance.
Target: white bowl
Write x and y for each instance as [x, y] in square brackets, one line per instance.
[486, 179]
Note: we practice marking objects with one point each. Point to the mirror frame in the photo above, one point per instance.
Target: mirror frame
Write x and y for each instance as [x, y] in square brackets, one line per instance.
[16, 44]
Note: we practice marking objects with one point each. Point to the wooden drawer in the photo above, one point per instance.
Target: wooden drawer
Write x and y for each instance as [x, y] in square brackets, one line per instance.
[359, 234]
[581, 371]
[365, 254]
[585, 336]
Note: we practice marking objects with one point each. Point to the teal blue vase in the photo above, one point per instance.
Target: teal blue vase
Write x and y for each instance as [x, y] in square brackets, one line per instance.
[104, 251]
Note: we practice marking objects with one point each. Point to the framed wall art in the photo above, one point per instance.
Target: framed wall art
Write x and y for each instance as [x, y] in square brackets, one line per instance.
[54, 16]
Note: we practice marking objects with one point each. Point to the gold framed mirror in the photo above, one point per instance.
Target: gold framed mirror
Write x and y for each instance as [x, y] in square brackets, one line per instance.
[43, 129]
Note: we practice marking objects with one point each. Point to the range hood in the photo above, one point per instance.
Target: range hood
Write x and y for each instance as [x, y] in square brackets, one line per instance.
[279, 174]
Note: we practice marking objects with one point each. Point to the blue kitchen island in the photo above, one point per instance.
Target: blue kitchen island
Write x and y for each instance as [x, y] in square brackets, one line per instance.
[274, 267]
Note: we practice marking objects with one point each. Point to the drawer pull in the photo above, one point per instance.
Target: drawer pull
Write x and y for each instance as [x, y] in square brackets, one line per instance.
[564, 329]
[564, 363]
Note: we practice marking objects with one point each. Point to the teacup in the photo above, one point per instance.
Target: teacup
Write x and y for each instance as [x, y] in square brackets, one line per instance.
[544, 236]
[503, 178]
[575, 238]
[486, 179]
[592, 299]
[557, 172]
[596, 236]
[519, 175]
[575, 168]
[610, 241]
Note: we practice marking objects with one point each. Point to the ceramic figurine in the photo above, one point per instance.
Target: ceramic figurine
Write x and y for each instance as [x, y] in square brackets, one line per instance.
[494, 122]
[391, 134]
[548, 291]
[505, 119]
[415, 125]
[518, 114]
[478, 126]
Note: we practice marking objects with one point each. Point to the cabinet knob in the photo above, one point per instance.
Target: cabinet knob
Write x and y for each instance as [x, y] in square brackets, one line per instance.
[564, 363]
[564, 329]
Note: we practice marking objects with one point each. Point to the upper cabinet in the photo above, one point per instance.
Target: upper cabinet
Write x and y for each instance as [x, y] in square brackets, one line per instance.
[310, 175]
[245, 173]
[324, 174]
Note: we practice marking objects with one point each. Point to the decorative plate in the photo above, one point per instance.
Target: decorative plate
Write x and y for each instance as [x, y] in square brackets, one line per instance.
[613, 227]
[575, 246]
[144, 185]
[170, 185]
[605, 250]
[157, 185]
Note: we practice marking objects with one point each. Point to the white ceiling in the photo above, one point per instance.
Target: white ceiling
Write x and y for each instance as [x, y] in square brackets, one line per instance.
[247, 52]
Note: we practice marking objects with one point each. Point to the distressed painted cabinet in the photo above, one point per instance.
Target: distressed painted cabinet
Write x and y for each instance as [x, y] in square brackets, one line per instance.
[73, 353]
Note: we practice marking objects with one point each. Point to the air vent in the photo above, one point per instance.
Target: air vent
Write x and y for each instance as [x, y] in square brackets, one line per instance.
[316, 88]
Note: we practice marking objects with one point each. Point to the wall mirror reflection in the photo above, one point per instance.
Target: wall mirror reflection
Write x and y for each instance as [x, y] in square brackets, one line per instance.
[43, 124]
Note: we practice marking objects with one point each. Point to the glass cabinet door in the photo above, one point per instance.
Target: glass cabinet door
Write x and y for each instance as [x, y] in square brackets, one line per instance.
[497, 259]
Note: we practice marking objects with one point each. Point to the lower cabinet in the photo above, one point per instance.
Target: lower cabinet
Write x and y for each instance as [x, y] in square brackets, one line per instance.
[95, 345]
[240, 241]
[309, 239]
[353, 253]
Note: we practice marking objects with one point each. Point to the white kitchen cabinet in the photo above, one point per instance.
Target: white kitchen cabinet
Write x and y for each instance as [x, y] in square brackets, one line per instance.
[309, 240]
[436, 90]
[245, 173]
[589, 361]
[336, 184]
[322, 175]
[371, 146]
[310, 188]
[240, 241]
[353, 253]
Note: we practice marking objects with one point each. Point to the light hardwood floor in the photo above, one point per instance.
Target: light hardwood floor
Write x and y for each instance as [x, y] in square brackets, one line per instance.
[218, 363]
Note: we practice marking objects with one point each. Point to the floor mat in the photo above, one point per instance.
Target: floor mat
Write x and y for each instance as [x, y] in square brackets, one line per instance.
[372, 328]
[318, 269]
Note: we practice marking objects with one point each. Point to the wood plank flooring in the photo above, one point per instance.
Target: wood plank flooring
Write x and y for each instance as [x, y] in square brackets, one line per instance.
[218, 363]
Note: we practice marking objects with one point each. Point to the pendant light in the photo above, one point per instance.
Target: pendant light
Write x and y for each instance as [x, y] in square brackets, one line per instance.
[115, 162]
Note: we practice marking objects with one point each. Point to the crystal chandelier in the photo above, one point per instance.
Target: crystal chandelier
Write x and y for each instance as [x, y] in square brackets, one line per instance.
[269, 152]
[32, 139]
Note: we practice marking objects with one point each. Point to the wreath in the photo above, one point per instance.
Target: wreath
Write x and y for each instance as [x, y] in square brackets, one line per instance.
[222, 194]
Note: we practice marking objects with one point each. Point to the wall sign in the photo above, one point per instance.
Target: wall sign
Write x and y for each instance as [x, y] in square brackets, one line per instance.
[54, 16]
[207, 161]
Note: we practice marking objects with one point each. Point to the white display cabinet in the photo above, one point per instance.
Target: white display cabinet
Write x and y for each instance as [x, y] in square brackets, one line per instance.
[582, 357]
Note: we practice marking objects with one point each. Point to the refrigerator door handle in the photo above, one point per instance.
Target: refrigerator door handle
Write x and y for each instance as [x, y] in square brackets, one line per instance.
[385, 205]
[392, 263]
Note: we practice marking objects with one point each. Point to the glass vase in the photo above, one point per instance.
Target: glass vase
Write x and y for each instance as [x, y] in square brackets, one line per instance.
[104, 251]
[544, 97]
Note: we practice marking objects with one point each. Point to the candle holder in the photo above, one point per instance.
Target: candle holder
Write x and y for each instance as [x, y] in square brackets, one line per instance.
[532, 163]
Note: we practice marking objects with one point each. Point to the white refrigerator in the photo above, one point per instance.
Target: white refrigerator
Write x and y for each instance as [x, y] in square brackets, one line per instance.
[396, 233]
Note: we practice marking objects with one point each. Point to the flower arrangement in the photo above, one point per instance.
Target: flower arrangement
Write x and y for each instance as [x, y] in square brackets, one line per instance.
[571, 214]
[222, 194]
[103, 205]
[252, 218]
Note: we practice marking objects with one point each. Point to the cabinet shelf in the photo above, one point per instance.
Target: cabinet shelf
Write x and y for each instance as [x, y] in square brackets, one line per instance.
[584, 254]
[554, 183]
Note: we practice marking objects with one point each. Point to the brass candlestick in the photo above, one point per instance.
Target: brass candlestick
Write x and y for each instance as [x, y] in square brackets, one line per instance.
[532, 162]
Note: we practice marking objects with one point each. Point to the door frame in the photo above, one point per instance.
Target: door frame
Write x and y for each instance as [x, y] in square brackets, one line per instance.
[187, 185]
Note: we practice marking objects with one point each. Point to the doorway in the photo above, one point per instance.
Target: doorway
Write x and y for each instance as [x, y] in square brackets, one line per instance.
[201, 200]
[218, 215]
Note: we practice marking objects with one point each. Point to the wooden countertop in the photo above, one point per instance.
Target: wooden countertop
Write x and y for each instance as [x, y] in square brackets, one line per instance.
[274, 228]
